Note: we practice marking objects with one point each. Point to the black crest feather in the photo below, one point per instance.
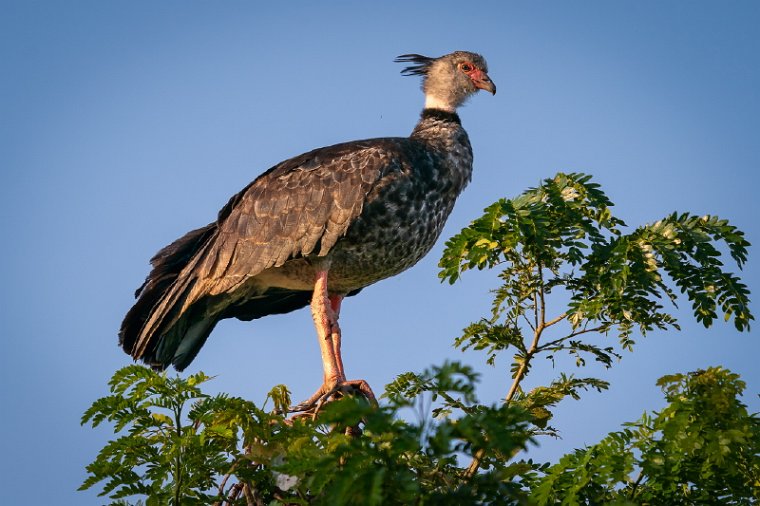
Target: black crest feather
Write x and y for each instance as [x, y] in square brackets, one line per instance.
[421, 67]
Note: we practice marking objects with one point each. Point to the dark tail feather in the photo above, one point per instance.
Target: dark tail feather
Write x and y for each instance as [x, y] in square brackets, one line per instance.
[273, 301]
[183, 340]
[180, 343]
[155, 332]
[167, 265]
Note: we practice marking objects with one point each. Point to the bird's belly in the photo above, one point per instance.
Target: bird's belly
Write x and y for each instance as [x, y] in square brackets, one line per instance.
[384, 243]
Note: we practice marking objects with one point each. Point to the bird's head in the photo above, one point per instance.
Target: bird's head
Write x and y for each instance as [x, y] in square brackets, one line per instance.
[448, 81]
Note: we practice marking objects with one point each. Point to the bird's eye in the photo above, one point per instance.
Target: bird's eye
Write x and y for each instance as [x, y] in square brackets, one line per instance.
[466, 67]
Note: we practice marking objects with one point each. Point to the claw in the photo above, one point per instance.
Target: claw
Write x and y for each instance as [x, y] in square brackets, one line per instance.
[325, 309]
[325, 394]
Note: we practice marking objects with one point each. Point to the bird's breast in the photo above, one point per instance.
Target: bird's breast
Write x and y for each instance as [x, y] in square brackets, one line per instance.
[399, 225]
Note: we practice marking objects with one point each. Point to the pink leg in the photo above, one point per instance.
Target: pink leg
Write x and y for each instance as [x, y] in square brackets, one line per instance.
[325, 309]
[326, 322]
[335, 301]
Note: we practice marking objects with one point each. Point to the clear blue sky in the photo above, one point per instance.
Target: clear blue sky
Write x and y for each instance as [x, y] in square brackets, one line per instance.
[125, 124]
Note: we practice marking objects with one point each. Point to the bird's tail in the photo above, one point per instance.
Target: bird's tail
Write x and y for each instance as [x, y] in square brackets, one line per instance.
[163, 329]
[154, 331]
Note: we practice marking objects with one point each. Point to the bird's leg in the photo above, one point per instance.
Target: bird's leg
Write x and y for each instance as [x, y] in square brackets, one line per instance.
[326, 323]
[335, 336]
[325, 309]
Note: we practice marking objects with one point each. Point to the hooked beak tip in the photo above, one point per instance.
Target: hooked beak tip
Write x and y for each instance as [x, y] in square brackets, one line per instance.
[487, 86]
[484, 82]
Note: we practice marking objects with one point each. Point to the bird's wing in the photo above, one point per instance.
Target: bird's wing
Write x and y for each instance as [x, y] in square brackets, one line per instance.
[298, 208]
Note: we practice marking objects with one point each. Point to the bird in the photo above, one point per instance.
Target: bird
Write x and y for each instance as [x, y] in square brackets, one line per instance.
[313, 230]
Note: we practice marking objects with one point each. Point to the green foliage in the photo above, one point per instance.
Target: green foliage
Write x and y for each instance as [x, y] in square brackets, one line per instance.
[703, 448]
[568, 271]
[562, 235]
[163, 454]
[173, 460]
[561, 239]
[569, 276]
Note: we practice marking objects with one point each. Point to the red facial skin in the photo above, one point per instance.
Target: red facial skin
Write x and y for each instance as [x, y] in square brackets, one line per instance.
[479, 78]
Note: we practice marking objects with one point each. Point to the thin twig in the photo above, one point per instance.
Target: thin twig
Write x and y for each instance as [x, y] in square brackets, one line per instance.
[227, 477]
[540, 318]
[250, 499]
[523, 366]
[556, 320]
[178, 484]
[636, 484]
[530, 324]
[548, 345]
[542, 321]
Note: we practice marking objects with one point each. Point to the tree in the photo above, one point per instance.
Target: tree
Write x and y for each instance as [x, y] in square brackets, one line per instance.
[556, 246]
[703, 448]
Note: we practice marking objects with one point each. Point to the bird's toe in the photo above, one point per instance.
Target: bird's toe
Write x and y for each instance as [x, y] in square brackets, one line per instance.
[327, 393]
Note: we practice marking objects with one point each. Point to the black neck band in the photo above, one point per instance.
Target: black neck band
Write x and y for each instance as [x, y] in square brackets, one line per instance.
[441, 115]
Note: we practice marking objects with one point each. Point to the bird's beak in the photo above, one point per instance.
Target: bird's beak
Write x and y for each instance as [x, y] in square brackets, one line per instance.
[481, 80]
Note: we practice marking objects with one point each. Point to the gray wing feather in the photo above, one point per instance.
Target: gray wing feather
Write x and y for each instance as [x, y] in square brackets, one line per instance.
[288, 214]
[300, 207]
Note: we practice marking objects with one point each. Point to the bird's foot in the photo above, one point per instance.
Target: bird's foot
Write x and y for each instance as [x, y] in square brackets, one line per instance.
[330, 392]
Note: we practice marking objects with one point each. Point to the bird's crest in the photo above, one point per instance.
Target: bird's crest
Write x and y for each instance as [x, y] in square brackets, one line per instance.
[421, 67]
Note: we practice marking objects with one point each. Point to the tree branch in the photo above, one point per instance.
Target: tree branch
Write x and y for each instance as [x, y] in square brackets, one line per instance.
[548, 345]
[178, 484]
[224, 482]
[530, 324]
[540, 318]
[636, 484]
[556, 320]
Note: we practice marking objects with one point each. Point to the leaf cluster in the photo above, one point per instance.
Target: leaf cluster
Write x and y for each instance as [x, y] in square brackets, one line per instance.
[174, 442]
[701, 449]
[223, 441]
[562, 237]
[570, 270]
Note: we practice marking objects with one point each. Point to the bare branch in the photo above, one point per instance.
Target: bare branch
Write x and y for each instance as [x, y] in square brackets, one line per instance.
[551, 344]
[530, 324]
[556, 320]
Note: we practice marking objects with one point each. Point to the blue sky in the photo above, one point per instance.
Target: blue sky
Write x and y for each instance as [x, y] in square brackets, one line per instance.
[125, 124]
